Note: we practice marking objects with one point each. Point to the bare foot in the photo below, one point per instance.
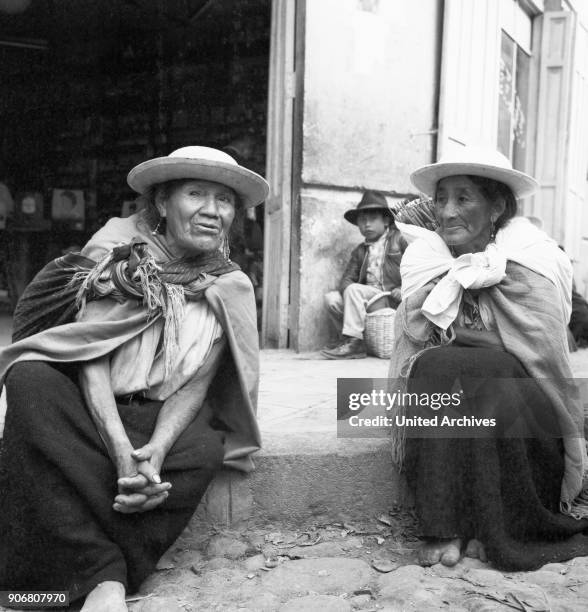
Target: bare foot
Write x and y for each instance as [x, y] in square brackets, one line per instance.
[108, 596]
[447, 552]
[475, 550]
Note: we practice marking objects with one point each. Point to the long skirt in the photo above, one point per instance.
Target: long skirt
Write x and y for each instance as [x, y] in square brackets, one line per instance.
[503, 491]
[58, 530]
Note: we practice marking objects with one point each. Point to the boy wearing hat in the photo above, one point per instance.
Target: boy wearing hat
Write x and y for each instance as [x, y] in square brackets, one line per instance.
[373, 272]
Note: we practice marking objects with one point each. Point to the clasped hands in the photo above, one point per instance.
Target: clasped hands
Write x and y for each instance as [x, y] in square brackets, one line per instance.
[139, 484]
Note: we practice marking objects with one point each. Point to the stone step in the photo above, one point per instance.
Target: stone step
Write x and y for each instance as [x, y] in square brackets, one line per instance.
[304, 471]
[310, 477]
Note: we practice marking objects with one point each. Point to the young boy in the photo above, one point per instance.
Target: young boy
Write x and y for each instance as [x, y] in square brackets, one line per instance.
[373, 270]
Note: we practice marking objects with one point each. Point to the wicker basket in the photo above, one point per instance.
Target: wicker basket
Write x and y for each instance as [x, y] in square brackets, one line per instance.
[379, 332]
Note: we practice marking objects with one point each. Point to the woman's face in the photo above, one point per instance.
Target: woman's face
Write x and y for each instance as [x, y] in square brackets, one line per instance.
[198, 215]
[465, 216]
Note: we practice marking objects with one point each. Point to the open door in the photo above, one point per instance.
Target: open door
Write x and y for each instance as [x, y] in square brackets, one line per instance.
[278, 207]
[468, 112]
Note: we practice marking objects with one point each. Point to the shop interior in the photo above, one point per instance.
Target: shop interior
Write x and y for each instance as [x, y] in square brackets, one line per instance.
[92, 87]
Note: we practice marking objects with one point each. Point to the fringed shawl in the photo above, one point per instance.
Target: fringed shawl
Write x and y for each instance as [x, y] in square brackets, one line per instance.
[45, 329]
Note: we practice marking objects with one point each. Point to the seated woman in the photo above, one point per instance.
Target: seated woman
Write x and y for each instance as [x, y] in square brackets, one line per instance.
[486, 301]
[118, 420]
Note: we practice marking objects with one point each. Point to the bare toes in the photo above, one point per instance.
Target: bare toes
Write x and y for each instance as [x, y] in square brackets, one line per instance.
[452, 553]
[447, 552]
[475, 550]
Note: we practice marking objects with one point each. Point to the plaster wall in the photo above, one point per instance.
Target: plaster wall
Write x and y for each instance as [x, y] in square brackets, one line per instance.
[369, 119]
[371, 71]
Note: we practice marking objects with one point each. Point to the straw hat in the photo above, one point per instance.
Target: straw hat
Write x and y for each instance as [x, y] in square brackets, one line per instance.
[478, 162]
[371, 200]
[202, 163]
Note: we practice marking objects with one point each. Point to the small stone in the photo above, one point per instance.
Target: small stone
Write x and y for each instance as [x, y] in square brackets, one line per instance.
[406, 573]
[360, 601]
[254, 563]
[316, 603]
[558, 568]
[544, 578]
[384, 565]
[271, 562]
[484, 577]
[230, 548]
[301, 577]
[409, 596]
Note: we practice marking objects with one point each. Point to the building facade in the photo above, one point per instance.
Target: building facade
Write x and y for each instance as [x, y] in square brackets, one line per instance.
[362, 92]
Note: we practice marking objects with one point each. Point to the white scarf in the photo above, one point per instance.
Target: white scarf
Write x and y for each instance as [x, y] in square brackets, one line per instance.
[428, 257]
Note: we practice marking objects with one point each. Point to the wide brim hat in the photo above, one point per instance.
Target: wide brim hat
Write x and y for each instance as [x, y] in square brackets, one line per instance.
[474, 161]
[371, 200]
[203, 163]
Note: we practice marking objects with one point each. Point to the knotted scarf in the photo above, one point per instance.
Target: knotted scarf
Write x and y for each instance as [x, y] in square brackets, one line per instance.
[428, 257]
[129, 272]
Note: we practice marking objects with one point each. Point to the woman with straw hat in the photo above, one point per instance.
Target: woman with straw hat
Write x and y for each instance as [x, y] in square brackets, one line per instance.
[132, 379]
[499, 472]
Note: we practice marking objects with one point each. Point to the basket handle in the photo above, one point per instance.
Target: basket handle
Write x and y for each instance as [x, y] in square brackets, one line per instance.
[377, 297]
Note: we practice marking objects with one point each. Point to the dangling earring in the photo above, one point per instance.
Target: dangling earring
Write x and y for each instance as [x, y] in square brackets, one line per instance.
[492, 230]
[225, 248]
[156, 230]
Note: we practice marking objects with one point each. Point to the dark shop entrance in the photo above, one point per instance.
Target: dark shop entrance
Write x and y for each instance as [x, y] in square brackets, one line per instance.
[89, 88]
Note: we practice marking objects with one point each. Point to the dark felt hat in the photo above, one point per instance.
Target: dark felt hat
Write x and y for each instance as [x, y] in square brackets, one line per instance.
[371, 200]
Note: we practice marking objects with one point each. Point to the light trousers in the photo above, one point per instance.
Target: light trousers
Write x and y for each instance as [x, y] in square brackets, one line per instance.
[348, 311]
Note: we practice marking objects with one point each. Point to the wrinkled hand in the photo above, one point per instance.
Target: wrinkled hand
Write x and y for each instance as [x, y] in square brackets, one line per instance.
[139, 485]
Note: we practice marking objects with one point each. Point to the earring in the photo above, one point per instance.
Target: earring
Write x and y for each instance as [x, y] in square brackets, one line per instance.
[156, 230]
[492, 230]
[225, 248]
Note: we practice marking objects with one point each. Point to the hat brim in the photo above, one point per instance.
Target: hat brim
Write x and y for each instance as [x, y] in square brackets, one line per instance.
[352, 214]
[249, 186]
[425, 179]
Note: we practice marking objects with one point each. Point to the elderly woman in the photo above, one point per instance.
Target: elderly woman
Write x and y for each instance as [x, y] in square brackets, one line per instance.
[499, 474]
[133, 378]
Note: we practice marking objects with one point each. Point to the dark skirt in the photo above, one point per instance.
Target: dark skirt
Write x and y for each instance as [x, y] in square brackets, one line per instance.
[503, 491]
[58, 530]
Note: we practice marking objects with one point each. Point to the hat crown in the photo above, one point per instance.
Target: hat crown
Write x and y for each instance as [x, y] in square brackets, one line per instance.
[476, 155]
[203, 154]
[372, 199]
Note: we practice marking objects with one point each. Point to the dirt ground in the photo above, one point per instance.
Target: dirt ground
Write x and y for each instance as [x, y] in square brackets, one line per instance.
[367, 566]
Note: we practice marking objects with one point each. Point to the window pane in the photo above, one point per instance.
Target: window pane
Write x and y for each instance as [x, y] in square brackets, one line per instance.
[521, 104]
[506, 94]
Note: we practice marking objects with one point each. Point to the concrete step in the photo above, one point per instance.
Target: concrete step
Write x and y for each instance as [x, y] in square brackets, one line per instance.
[304, 471]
